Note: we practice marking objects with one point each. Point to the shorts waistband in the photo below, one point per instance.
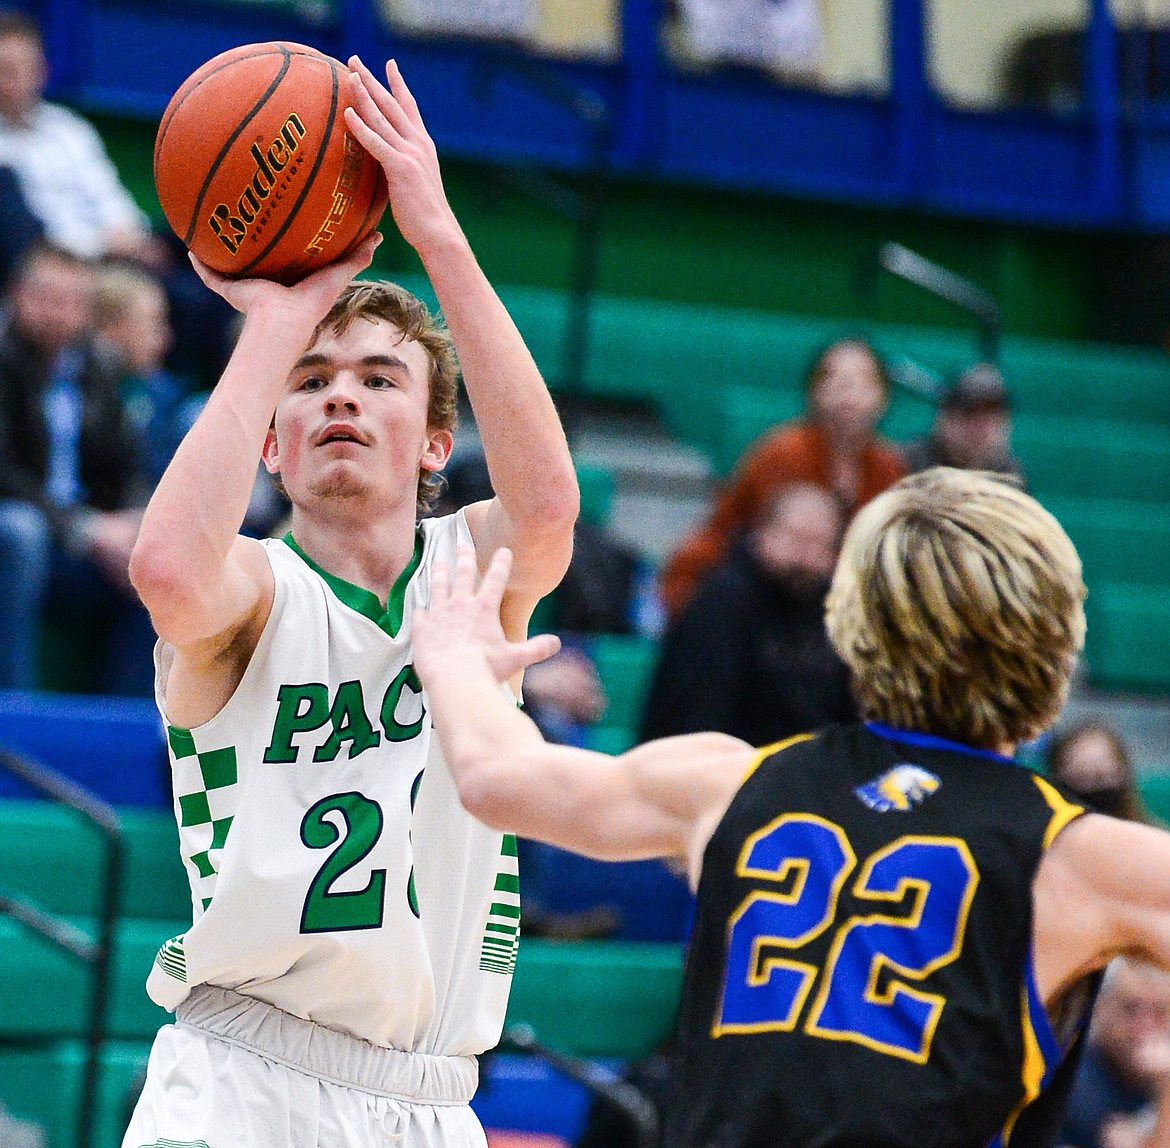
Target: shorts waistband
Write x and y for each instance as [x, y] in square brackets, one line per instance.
[328, 1053]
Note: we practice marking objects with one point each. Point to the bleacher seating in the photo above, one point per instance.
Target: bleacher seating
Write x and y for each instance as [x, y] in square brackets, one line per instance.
[601, 999]
[112, 746]
[1092, 428]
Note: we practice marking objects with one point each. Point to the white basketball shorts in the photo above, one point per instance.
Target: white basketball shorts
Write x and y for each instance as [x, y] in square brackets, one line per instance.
[234, 1072]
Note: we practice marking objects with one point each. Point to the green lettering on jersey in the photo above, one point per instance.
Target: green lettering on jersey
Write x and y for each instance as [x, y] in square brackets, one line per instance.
[350, 723]
[299, 709]
[407, 679]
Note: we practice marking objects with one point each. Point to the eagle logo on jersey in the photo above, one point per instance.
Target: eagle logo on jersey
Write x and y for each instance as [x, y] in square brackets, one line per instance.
[900, 788]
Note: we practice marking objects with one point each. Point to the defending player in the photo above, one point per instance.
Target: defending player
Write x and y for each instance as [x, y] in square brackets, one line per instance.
[355, 929]
[898, 928]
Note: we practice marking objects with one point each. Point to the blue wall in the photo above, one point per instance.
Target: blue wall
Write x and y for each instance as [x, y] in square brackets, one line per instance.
[1104, 165]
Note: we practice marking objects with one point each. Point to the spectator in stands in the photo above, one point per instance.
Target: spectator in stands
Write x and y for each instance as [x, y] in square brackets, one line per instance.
[1091, 759]
[835, 446]
[76, 194]
[1123, 1082]
[973, 427]
[69, 181]
[131, 318]
[749, 655]
[602, 592]
[19, 228]
[69, 489]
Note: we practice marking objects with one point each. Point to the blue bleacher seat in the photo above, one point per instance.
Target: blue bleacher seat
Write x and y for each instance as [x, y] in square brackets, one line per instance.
[112, 745]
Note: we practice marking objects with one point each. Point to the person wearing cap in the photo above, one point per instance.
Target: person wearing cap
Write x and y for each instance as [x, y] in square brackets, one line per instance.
[972, 430]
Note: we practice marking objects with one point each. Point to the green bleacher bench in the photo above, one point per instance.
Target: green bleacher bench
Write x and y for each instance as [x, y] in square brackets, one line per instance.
[610, 999]
[625, 664]
[44, 992]
[1119, 540]
[50, 854]
[1126, 647]
[1086, 457]
[1155, 791]
[41, 1082]
[1129, 384]
[597, 998]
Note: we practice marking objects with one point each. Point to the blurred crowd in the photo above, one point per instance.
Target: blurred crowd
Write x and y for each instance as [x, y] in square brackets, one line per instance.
[108, 345]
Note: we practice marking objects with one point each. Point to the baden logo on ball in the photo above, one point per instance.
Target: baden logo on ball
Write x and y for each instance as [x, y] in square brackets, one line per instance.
[255, 168]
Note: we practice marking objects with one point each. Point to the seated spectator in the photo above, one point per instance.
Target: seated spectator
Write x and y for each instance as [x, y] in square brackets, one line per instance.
[70, 492]
[130, 317]
[76, 195]
[604, 589]
[749, 655]
[69, 181]
[19, 228]
[564, 696]
[1121, 1081]
[834, 446]
[973, 427]
[1090, 758]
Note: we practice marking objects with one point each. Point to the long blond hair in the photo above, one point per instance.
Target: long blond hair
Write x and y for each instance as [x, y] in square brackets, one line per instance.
[957, 605]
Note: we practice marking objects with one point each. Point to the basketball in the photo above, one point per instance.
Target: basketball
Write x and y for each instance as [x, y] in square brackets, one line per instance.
[255, 168]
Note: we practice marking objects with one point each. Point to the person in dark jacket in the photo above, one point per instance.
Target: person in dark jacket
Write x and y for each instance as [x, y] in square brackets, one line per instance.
[749, 655]
[69, 483]
[973, 427]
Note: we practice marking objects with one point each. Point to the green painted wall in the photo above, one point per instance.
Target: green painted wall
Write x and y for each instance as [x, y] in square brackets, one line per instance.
[701, 245]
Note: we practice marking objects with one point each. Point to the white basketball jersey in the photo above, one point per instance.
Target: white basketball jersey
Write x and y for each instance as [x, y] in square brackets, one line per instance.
[334, 873]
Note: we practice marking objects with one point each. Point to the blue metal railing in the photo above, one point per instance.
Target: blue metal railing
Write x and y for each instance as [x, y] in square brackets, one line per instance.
[1103, 164]
[94, 952]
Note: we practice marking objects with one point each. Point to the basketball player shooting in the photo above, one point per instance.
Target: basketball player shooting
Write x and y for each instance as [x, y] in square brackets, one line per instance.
[899, 930]
[354, 928]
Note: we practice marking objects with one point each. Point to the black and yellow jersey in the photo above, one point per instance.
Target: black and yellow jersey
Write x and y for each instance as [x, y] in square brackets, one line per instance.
[860, 970]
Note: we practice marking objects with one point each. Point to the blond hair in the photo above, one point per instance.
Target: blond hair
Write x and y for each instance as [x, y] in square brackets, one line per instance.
[957, 605]
[118, 286]
[379, 300]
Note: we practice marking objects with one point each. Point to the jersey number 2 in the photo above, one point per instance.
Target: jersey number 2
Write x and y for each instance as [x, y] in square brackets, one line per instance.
[329, 910]
[865, 993]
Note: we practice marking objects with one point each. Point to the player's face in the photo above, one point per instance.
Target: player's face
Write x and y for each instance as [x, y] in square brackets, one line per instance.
[22, 76]
[52, 303]
[143, 331]
[353, 418]
[849, 396]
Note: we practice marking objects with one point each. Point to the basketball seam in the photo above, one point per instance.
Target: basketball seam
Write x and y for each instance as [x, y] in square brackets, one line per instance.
[180, 97]
[309, 179]
[286, 63]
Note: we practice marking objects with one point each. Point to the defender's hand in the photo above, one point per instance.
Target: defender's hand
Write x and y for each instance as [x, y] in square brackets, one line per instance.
[463, 621]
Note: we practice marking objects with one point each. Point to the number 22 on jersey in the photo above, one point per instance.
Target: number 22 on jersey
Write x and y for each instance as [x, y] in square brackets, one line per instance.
[930, 880]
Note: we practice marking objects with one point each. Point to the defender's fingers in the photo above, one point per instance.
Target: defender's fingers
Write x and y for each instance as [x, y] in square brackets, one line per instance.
[541, 646]
[466, 571]
[495, 578]
[440, 582]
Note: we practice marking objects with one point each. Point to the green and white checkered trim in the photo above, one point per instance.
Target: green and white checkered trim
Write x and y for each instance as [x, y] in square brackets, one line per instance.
[501, 939]
[206, 784]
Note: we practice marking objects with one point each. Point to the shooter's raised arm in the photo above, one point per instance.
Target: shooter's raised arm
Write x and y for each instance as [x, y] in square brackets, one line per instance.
[536, 499]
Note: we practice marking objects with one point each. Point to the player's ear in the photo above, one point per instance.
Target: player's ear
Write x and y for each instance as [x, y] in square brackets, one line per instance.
[438, 450]
[271, 452]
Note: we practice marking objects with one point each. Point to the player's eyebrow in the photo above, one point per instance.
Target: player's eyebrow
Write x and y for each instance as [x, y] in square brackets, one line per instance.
[316, 359]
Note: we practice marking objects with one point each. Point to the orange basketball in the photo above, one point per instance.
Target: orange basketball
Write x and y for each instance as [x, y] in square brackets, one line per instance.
[255, 168]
